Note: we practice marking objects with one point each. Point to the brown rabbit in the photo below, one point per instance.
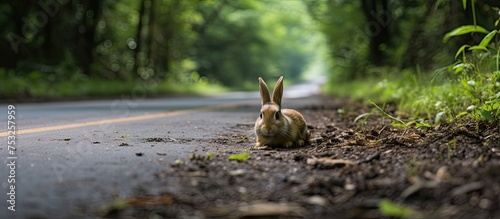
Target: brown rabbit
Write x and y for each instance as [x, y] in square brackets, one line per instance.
[278, 127]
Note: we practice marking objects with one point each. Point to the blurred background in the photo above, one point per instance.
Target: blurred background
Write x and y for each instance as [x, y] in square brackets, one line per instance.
[77, 48]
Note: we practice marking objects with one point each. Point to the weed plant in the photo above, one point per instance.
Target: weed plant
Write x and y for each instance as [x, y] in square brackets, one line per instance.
[467, 89]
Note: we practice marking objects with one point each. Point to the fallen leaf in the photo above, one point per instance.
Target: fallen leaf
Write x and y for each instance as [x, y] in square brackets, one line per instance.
[158, 200]
[193, 174]
[262, 209]
[239, 157]
[413, 136]
[238, 172]
[123, 144]
[120, 204]
[329, 162]
[317, 200]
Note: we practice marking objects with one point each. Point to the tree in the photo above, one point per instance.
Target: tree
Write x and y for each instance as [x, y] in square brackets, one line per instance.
[226, 41]
[378, 18]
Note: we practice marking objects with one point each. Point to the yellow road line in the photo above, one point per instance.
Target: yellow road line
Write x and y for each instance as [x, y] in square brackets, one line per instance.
[123, 119]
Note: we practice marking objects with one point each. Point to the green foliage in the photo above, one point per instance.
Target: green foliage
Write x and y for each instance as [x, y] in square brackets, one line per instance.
[213, 42]
[411, 27]
[254, 38]
[478, 74]
[343, 26]
[199, 157]
[117, 204]
[391, 209]
[239, 157]
[467, 89]
[464, 30]
[421, 103]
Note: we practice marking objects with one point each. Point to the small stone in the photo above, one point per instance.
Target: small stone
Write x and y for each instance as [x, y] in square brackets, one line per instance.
[242, 190]
[293, 180]
[238, 172]
[349, 186]
[177, 163]
[317, 200]
[442, 173]
[485, 203]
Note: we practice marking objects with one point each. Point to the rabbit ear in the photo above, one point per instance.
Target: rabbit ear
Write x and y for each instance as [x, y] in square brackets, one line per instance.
[278, 91]
[264, 92]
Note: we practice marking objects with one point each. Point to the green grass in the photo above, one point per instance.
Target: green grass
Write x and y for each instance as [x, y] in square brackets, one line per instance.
[433, 98]
[37, 85]
[239, 157]
[390, 209]
[467, 89]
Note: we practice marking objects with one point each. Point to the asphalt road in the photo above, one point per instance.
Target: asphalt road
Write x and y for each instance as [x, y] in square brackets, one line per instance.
[75, 156]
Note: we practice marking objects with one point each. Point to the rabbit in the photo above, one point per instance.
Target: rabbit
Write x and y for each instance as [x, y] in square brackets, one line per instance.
[278, 127]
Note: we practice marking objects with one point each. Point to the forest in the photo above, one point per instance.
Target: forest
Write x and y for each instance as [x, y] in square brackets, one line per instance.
[436, 59]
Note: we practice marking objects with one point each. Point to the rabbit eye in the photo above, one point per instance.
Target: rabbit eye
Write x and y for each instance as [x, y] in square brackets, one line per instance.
[277, 115]
[260, 115]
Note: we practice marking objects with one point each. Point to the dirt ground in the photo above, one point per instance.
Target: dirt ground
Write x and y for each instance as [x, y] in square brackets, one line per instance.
[367, 169]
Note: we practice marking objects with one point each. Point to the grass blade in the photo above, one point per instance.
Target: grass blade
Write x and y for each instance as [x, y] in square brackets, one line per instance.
[386, 114]
[478, 48]
[464, 30]
[461, 50]
[362, 116]
[486, 40]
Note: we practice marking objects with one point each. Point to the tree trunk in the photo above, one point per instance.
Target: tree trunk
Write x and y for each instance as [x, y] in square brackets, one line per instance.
[378, 19]
[13, 40]
[138, 38]
[151, 36]
[418, 42]
[86, 35]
